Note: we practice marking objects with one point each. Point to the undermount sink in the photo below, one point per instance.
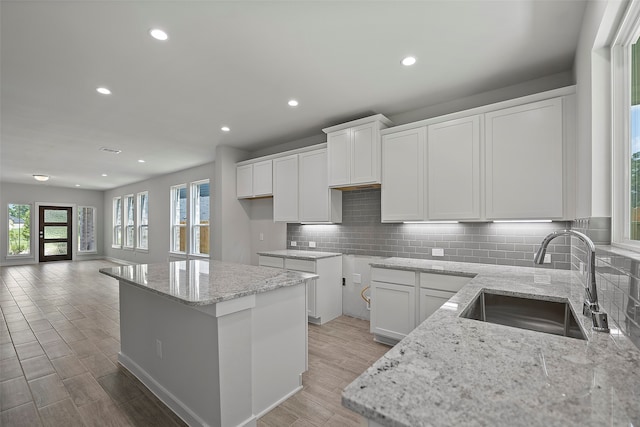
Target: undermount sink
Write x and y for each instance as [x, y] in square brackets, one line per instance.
[551, 317]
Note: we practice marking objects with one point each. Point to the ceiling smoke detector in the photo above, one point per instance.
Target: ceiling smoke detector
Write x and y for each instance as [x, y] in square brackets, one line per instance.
[110, 150]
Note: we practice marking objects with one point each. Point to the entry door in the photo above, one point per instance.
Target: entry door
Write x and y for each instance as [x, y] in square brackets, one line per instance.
[55, 233]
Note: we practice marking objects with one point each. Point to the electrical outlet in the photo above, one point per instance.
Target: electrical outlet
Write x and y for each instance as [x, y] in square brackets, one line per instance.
[357, 278]
[547, 259]
[159, 348]
[312, 244]
[437, 252]
[294, 243]
[261, 236]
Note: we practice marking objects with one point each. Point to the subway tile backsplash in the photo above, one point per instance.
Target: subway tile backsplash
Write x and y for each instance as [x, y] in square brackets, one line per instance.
[617, 276]
[362, 233]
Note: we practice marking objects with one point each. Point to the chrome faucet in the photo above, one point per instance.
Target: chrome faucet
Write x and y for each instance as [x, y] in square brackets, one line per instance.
[590, 308]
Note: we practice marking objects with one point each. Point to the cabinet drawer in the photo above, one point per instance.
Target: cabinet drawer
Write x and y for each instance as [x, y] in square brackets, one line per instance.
[401, 277]
[270, 261]
[300, 265]
[443, 282]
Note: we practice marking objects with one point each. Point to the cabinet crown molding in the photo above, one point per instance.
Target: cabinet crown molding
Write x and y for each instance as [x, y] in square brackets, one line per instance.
[376, 118]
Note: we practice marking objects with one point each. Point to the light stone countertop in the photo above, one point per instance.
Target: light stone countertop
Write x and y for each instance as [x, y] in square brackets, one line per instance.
[203, 282]
[298, 254]
[456, 371]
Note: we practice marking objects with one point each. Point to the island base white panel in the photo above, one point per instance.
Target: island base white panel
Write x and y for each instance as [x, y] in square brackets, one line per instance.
[218, 365]
[279, 346]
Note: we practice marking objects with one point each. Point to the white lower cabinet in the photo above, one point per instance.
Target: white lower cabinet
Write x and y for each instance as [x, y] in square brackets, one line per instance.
[395, 309]
[392, 309]
[324, 294]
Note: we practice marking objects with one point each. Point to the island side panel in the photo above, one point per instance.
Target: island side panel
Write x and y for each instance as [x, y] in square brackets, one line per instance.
[279, 346]
[185, 372]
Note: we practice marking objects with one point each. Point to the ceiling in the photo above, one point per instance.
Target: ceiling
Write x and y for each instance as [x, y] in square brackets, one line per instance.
[237, 64]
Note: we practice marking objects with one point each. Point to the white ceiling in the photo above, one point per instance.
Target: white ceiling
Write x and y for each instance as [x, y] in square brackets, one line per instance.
[237, 64]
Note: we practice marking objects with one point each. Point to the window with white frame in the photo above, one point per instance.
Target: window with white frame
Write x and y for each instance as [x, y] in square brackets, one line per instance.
[179, 218]
[129, 221]
[625, 57]
[200, 206]
[116, 241]
[87, 229]
[142, 221]
[19, 218]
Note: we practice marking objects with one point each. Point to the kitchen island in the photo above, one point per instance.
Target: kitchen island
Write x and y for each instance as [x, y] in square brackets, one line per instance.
[219, 343]
[452, 370]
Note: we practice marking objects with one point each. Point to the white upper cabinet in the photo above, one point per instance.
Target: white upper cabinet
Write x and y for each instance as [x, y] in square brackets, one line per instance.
[453, 169]
[524, 161]
[318, 203]
[254, 180]
[402, 176]
[353, 151]
[285, 188]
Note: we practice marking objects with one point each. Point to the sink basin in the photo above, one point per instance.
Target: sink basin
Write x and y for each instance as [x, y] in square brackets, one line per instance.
[551, 317]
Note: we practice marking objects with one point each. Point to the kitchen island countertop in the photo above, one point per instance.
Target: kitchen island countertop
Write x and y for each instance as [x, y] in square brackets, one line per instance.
[204, 282]
[457, 371]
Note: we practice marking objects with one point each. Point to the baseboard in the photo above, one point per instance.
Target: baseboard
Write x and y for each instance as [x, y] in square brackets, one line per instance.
[385, 340]
[278, 402]
[179, 408]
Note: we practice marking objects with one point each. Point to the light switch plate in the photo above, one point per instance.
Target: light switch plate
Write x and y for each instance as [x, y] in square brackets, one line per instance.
[357, 278]
[312, 244]
[437, 252]
[294, 243]
[547, 259]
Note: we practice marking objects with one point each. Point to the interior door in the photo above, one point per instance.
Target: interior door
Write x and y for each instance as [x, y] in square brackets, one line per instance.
[55, 233]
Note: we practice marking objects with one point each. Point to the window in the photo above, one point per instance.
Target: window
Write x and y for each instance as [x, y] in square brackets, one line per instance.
[129, 220]
[117, 222]
[19, 230]
[625, 57]
[142, 238]
[179, 218]
[87, 229]
[200, 218]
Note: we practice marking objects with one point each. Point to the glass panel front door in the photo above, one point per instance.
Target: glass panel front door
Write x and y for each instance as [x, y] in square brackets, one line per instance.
[55, 233]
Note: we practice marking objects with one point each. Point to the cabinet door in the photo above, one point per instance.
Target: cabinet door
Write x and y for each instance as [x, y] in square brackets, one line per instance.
[285, 188]
[453, 169]
[314, 190]
[244, 181]
[263, 178]
[524, 160]
[365, 154]
[402, 176]
[392, 309]
[431, 300]
[339, 157]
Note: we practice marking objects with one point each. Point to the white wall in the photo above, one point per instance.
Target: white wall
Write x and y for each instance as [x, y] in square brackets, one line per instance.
[159, 213]
[274, 234]
[47, 194]
[593, 80]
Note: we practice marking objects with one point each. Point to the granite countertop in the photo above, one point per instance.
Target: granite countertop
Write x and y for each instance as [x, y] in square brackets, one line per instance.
[297, 254]
[456, 371]
[203, 282]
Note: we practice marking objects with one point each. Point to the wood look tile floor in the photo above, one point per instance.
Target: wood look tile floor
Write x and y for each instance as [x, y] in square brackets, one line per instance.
[59, 344]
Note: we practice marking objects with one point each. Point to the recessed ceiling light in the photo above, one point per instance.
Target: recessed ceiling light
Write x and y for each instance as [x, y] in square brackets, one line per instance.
[140, 161]
[293, 103]
[104, 174]
[103, 91]
[158, 34]
[110, 150]
[409, 60]
[39, 177]
[77, 185]
[225, 128]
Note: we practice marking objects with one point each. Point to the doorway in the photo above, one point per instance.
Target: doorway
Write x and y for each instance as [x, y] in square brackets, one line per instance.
[55, 233]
